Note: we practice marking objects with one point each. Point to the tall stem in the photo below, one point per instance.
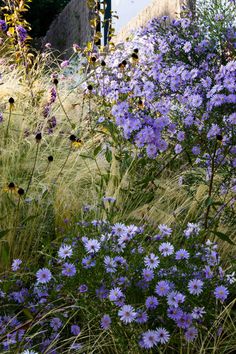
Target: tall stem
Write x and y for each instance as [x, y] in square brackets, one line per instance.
[210, 187]
[8, 125]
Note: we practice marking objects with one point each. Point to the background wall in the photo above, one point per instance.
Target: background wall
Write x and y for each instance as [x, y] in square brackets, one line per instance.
[72, 25]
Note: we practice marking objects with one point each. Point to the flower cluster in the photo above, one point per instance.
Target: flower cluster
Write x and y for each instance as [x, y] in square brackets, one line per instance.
[170, 89]
[150, 283]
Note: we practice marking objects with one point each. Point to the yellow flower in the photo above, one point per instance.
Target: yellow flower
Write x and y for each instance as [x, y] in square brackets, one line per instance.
[77, 143]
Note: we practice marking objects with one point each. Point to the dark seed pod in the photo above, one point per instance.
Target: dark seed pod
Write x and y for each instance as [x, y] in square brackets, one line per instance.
[55, 81]
[38, 137]
[11, 185]
[21, 191]
[93, 59]
[134, 56]
[50, 158]
[124, 62]
[11, 100]
[219, 137]
[103, 63]
[72, 138]
[136, 50]
[90, 87]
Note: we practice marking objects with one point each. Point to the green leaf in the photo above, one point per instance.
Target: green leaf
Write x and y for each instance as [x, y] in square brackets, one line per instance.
[31, 217]
[208, 201]
[223, 237]
[97, 150]
[108, 155]
[4, 232]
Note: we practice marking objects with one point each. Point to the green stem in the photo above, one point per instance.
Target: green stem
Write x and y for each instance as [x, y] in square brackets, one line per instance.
[210, 187]
[8, 125]
[67, 117]
[62, 167]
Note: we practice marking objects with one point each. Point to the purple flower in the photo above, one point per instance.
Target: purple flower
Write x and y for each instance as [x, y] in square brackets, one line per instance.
[151, 261]
[166, 249]
[68, 269]
[127, 314]
[181, 254]
[16, 264]
[22, 33]
[142, 317]
[147, 274]
[191, 334]
[65, 251]
[55, 323]
[163, 335]
[149, 339]
[64, 64]
[105, 322]
[221, 292]
[43, 275]
[115, 294]
[165, 230]
[3, 26]
[92, 246]
[162, 288]
[83, 288]
[75, 330]
[174, 298]
[198, 312]
[195, 286]
[151, 302]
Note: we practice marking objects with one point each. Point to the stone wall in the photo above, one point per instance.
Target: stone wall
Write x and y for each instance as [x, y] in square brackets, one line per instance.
[71, 26]
[157, 8]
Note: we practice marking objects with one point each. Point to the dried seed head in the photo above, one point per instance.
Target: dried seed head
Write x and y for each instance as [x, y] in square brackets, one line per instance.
[50, 158]
[21, 191]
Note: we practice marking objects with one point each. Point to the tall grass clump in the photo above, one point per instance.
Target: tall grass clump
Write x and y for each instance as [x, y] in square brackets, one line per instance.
[117, 200]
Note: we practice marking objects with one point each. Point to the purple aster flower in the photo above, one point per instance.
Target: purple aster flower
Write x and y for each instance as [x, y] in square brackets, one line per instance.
[162, 288]
[221, 293]
[64, 64]
[178, 148]
[142, 317]
[55, 323]
[151, 302]
[151, 261]
[92, 246]
[115, 294]
[127, 314]
[174, 313]
[191, 334]
[149, 339]
[166, 249]
[164, 230]
[105, 322]
[185, 320]
[147, 274]
[22, 33]
[174, 298]
[163, 335]
[88, 262]
[43, 275]
[195, 101]
[75, 330]
[3, 26]
[181, 254]
[83, 288]
[65, 251]
[195, 286]
[198, 312]
[16, 264]
[187, 47]
[68, 269]
[232, 118]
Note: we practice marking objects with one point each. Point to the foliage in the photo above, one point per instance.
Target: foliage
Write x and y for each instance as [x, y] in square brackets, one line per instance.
[119, 164]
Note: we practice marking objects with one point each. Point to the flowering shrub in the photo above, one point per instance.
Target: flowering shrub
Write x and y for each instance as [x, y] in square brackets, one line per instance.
[115, 277]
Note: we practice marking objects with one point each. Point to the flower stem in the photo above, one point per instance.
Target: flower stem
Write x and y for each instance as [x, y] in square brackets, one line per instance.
[33, 169]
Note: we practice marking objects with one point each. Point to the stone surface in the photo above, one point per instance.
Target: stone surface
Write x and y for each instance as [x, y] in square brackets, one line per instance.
[71, 26]
[156, 8]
